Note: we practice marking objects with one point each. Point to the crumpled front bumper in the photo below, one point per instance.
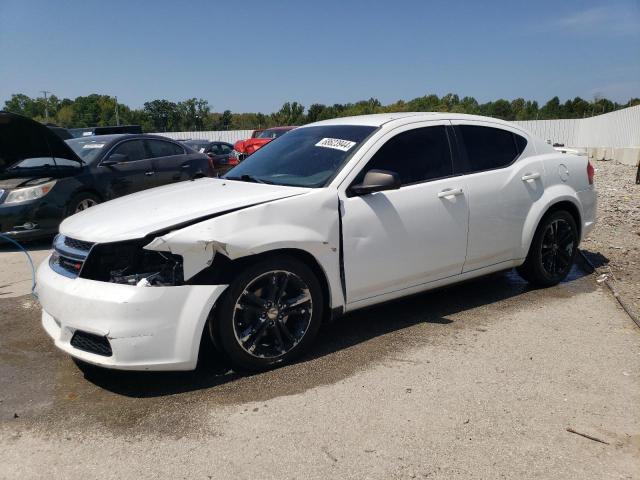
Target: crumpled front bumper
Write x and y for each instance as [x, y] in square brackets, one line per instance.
[148, 328]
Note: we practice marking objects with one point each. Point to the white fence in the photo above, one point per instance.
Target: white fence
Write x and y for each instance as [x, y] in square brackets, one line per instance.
[617, 129]
[612, 130]
[229, 136]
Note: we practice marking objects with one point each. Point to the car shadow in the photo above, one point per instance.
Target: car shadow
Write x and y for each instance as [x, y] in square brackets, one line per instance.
[29, 246]
[434, 307]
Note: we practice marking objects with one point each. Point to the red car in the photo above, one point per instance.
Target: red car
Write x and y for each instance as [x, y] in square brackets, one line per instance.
[243, 148]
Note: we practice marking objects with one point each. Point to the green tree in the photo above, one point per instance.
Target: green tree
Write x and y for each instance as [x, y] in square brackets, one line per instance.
[291, 113]
[163, 115]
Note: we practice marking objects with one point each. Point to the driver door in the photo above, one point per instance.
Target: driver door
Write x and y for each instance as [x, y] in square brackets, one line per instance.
[398, 239]
[132, 175]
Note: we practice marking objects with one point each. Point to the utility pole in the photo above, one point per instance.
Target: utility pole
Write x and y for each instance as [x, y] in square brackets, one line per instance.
[117, 116]
[46, 105]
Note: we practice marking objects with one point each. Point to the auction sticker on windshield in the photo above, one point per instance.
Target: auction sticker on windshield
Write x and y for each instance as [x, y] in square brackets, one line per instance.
[93, 145]
[336, 143]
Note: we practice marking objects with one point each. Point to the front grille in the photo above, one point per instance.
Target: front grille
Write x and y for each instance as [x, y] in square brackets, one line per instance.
[69, 255]
[88, 342]
[77, 244]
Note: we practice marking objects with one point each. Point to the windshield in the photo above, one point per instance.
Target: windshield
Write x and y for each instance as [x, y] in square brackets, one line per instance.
[305, 157]
[44, 162]
[197, 146]
[86, 148]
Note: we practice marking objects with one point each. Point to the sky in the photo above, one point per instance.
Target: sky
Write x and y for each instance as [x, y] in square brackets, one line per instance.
[249, 56]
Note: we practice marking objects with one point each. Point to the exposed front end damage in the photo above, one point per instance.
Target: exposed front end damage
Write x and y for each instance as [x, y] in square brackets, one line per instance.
[155, 328]
[134, 304]
[278, 225]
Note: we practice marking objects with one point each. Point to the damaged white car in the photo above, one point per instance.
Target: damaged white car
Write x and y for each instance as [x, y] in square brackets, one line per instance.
[332, 217]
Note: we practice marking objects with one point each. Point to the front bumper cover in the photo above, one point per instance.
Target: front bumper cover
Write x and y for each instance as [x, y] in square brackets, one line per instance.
[149, 328]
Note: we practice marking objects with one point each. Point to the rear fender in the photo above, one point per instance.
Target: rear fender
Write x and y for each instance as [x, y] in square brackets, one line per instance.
[552, 195]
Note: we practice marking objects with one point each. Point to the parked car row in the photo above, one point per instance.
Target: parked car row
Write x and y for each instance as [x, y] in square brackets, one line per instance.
[44, 179]
[48, 172]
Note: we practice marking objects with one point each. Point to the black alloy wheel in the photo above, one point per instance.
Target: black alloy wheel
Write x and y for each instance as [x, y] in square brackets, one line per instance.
[556, 248]
[272, 315]
[553, 250]
[269, 314]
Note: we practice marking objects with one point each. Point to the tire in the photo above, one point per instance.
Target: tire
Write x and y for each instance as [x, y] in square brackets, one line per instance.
[552, 251]
[263, 320]
[81, 202]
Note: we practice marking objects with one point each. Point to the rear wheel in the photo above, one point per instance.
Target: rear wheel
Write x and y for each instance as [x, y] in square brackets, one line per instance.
[269, 315]
[553, 250]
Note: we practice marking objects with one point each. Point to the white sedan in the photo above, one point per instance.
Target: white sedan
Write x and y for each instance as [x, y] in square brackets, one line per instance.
[332, 217]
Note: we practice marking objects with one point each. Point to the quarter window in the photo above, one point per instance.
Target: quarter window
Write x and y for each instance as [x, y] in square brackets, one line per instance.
[416, 155]
[489, 148]
[134, 149]
[158, 148]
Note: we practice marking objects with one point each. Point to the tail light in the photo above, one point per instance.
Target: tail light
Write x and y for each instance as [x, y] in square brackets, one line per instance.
[590, 172]
[233, 160]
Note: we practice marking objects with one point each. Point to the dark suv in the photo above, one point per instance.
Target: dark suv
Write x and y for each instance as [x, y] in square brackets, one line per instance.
[44, 179]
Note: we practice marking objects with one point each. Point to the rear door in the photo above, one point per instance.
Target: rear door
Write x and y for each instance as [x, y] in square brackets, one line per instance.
[504, 179]
[132, 175]
[169, 162]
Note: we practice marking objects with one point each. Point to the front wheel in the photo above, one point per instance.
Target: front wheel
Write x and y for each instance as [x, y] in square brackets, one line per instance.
[81, 202]
[553, 250]
[269, 315]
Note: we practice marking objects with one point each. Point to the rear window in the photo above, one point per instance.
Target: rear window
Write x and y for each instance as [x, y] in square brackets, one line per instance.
[158, 148]
[489, 148]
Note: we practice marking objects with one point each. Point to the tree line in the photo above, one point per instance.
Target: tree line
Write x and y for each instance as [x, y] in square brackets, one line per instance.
[195, 114]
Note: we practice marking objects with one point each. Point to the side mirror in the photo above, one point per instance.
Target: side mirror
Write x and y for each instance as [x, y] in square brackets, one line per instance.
[377, 181]
[115, 159]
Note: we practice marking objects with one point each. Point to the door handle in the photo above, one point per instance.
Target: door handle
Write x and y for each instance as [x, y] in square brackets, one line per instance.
[148, 174]
[449, 192]
[530, 176]
[185, 165]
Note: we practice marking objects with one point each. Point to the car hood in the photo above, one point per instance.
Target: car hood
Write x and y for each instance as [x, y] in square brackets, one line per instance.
[158, 209]
[22, 138]
[251, 144]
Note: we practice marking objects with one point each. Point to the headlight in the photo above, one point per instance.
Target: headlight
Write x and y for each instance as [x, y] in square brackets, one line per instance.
[128, 263]
[25, 194]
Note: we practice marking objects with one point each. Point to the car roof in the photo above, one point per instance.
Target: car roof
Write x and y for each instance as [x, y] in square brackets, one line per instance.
[118, 136]
[379, 119]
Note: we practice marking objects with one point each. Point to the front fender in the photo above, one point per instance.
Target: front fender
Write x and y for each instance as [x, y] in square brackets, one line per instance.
[306, 222]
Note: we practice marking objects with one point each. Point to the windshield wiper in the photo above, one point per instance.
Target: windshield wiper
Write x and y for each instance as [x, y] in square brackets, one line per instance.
[249, 178]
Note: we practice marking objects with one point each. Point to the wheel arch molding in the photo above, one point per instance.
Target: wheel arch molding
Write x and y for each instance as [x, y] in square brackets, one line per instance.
[553, 202]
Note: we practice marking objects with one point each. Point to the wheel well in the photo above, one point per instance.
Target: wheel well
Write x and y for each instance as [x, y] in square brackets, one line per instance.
[223, 270]
[569, 207]
[90, 191]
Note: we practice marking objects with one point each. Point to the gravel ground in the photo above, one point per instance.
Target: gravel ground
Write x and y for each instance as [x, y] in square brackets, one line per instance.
[476, 381]
[617, 234]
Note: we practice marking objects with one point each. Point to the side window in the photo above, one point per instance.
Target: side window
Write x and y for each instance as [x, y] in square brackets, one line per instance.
[215, 149]
[225, 149]
[416, 155]
[134, 149]
[158, 148]
[521, 143]
[489, 148]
